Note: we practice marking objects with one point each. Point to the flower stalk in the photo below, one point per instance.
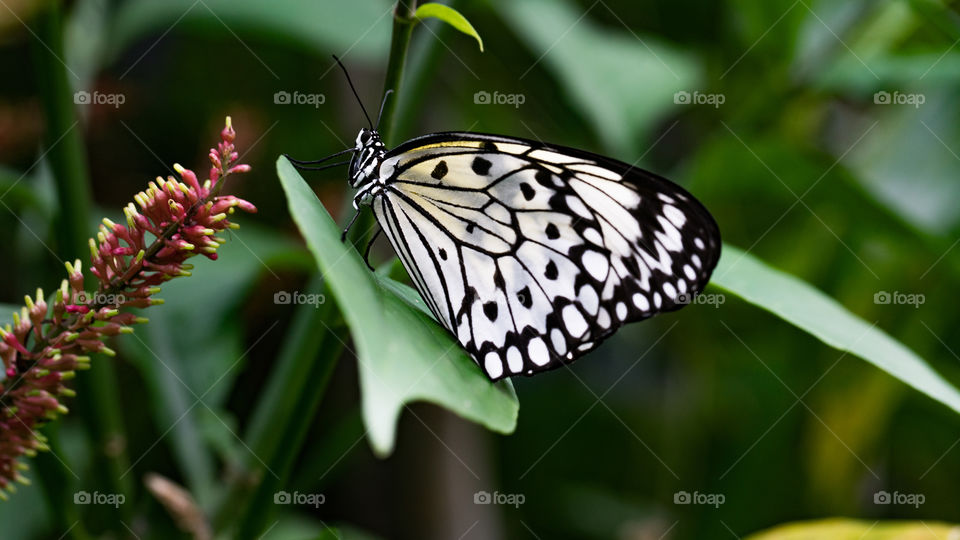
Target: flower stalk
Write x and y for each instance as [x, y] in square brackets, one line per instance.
[52, 338]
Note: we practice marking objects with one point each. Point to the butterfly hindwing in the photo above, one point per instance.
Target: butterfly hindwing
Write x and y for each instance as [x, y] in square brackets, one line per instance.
[532, 254]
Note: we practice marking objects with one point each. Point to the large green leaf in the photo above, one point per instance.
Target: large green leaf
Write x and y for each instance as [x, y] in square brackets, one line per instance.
[849, 529]
[809, 309]
[403, 354]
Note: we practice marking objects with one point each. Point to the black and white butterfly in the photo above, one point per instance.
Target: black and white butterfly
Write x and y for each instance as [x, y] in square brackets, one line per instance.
[531, 254]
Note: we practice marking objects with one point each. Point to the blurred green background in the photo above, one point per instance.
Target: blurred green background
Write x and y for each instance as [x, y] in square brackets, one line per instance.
[822, 135]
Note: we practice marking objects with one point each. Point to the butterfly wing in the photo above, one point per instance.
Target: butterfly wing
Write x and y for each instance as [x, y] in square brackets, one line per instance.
[531, 254]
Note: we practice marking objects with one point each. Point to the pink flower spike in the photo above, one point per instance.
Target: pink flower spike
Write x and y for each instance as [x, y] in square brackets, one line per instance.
[175, 215]
[12, 341]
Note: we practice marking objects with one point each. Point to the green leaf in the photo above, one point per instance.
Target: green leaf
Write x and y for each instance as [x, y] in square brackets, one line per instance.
[811, 310]
[403, 354]
[849, 529]
[450, 16]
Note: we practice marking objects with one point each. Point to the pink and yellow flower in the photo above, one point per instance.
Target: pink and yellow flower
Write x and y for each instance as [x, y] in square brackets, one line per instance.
[45, 345]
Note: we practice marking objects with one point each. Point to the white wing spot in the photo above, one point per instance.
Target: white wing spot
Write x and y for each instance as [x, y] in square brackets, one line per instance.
[657, 300]
[690, 272]
[493, 365]
[589, 299]
[641, 302]
[593, 236]
[559, 343]
[669, 290]
[537, 351]
[674, 215]
[696, 260]
[682, 286]
[603, 318]
[596, 264]
[574, 321]
[578, 207]
[698, 242]
[514, 359]
[621, 311]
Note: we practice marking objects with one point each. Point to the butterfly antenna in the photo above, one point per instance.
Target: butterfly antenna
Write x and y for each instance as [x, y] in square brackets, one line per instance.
[355, 94]
[320, 167]
[383, 105]
[321, 160]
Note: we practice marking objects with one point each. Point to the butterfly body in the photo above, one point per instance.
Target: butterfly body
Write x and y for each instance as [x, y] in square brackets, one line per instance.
[531, 254]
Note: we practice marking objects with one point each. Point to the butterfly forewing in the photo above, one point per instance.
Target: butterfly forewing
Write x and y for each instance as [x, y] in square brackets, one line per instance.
[532, 254]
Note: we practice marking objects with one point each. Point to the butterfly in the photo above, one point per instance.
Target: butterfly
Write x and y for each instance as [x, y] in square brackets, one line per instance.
[529, 253]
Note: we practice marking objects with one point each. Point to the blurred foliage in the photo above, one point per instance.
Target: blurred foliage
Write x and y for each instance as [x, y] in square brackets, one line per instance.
[801, 166]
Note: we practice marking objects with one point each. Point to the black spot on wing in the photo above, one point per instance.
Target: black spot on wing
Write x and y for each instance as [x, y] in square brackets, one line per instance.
[490, 310]
[551, 271]
[480, 166]
[440, 170]
[528, 192]
[543, 178]
[524, 296]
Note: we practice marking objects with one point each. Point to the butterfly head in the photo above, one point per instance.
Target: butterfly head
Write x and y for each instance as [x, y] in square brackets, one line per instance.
[368, 153]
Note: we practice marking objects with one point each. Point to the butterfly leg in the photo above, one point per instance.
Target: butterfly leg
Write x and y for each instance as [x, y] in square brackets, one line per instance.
[366, 252]
[343, 237]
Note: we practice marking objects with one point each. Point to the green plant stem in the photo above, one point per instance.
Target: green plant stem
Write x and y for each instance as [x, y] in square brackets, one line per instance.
[403, 24]
[282, 416]
[425, 56]
[62, 141]
[97, 402]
